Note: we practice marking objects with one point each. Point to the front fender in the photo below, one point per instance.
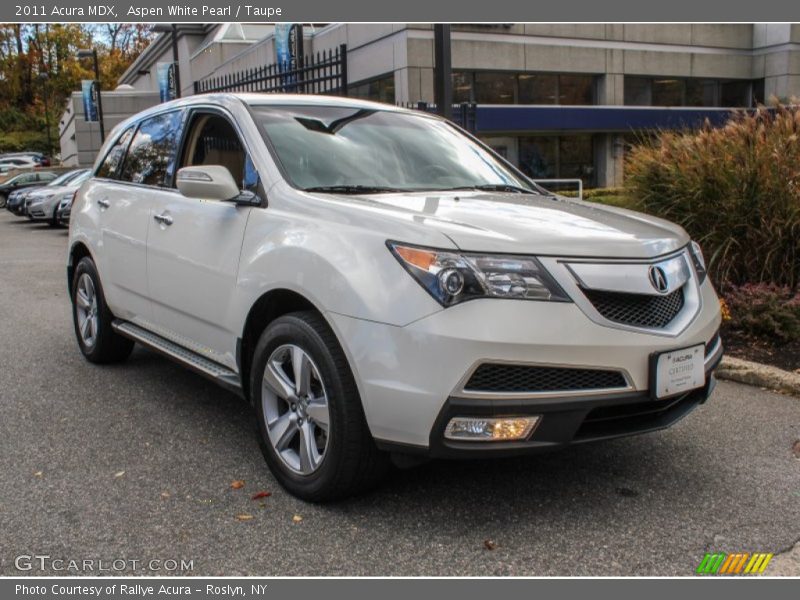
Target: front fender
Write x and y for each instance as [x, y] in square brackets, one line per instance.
[339, 267]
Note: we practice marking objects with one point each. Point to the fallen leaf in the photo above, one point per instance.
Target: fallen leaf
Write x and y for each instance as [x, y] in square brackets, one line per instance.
[297, 519]
[244, 517]
[37, 474]
[260, 495]
[237, 485]
[165, 495]
[119, 474]
[489, 544]
[796, 449]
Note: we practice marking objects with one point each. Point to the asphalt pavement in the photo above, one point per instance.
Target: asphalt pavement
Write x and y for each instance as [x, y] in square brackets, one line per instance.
[134, 463]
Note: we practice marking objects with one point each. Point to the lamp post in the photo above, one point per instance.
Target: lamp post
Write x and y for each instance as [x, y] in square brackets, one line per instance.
[93, 55]
[43, 77]
[442, 71]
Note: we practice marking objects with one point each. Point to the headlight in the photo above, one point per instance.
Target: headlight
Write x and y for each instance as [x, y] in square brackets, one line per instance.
[699, 261]
[453, 277]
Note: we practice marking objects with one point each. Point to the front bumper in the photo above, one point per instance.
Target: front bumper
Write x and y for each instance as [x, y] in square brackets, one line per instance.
[411, 379]
[42, 210]
[574, 421]
[17, 208]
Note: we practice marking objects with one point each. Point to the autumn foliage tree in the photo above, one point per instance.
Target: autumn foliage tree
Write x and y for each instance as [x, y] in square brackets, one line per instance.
[39, 60]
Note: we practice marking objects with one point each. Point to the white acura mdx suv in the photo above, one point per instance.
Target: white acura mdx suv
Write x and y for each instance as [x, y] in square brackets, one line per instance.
[378, 283]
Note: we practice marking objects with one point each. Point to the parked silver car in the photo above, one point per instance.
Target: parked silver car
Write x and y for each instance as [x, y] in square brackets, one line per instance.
[42, 204]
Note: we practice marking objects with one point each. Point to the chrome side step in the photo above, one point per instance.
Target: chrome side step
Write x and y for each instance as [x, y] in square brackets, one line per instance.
[218, 373]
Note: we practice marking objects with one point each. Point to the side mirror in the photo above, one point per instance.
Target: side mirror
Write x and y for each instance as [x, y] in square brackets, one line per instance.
[207, 182]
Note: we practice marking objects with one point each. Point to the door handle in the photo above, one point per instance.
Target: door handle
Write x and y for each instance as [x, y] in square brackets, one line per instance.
[163, 219]
[104, 203]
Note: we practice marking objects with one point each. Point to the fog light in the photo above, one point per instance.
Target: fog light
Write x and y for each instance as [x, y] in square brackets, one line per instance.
[490, 429]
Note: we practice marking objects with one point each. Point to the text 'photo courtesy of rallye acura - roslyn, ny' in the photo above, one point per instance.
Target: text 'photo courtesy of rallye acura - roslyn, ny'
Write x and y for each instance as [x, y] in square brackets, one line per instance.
[382, 286]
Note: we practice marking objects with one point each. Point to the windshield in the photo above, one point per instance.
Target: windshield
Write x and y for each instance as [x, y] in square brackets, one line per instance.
[346, 149]
[66, 177]
[81, 177]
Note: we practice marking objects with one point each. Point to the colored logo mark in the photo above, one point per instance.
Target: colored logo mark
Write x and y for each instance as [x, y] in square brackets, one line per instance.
[738, 563]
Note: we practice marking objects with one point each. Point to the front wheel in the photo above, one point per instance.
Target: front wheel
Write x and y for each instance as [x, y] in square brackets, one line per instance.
[311, 425]
[92, 318]
[3, 200]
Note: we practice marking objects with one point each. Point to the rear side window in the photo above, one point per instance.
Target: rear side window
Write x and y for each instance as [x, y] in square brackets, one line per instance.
[151, 156]
[47, 176]
[110, 167]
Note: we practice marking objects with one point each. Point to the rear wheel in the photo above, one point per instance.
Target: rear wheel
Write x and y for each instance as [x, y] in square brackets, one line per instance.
[3, 200]
[311, 425]
[92, 318]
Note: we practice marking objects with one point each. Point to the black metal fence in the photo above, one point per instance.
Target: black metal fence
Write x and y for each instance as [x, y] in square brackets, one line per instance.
[320, 73]
[464, 114]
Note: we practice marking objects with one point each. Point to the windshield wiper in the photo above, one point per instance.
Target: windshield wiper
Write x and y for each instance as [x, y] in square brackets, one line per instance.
[353, 189]
[493, 187]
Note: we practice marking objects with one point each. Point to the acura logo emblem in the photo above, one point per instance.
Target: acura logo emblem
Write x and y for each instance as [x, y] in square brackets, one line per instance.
[658, 279]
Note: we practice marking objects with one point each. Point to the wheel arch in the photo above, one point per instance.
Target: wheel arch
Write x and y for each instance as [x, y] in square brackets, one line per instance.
[77, 251]
[268, 307]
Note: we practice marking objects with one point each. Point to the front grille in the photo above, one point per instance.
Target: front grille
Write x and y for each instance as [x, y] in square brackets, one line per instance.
[493, 377]
[638, 310]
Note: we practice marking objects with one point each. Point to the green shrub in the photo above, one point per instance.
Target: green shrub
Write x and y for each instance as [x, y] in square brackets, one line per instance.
[764, 310]
[735, 189]
[610, 196]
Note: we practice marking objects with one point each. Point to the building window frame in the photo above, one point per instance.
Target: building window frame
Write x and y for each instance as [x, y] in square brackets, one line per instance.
[469, 76]
[384, 77]
[648, 81]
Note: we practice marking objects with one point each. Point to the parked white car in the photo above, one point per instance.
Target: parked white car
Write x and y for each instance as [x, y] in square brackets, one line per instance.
[17, 162]
[376, 282]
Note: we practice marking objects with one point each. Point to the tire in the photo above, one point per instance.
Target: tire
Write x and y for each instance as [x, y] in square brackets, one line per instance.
[103, 345]
[348, 461]
[3, 200]
[54, 220]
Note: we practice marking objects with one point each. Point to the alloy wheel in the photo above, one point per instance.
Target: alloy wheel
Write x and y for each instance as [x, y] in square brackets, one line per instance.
[87, 310]
[295, 407]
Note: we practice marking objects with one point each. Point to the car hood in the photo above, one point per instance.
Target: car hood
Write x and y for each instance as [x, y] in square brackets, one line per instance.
[525, 223]
[51, 190]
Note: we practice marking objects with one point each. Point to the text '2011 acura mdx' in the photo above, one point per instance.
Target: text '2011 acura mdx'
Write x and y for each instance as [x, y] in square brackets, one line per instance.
[378, 283]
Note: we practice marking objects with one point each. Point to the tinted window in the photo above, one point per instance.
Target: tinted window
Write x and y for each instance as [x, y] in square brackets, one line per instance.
[637, 91]
[113, 161]
[735, 93]
[668, 92]
[151, 156]
[575, 89]
[212, 140]
[701, 92]
[537, 89]
[379, 90]
[462, 86]
[494, 88]
[47, 176]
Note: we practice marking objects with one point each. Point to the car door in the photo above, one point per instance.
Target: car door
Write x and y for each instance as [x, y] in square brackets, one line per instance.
[129, 182]
[194, 245]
